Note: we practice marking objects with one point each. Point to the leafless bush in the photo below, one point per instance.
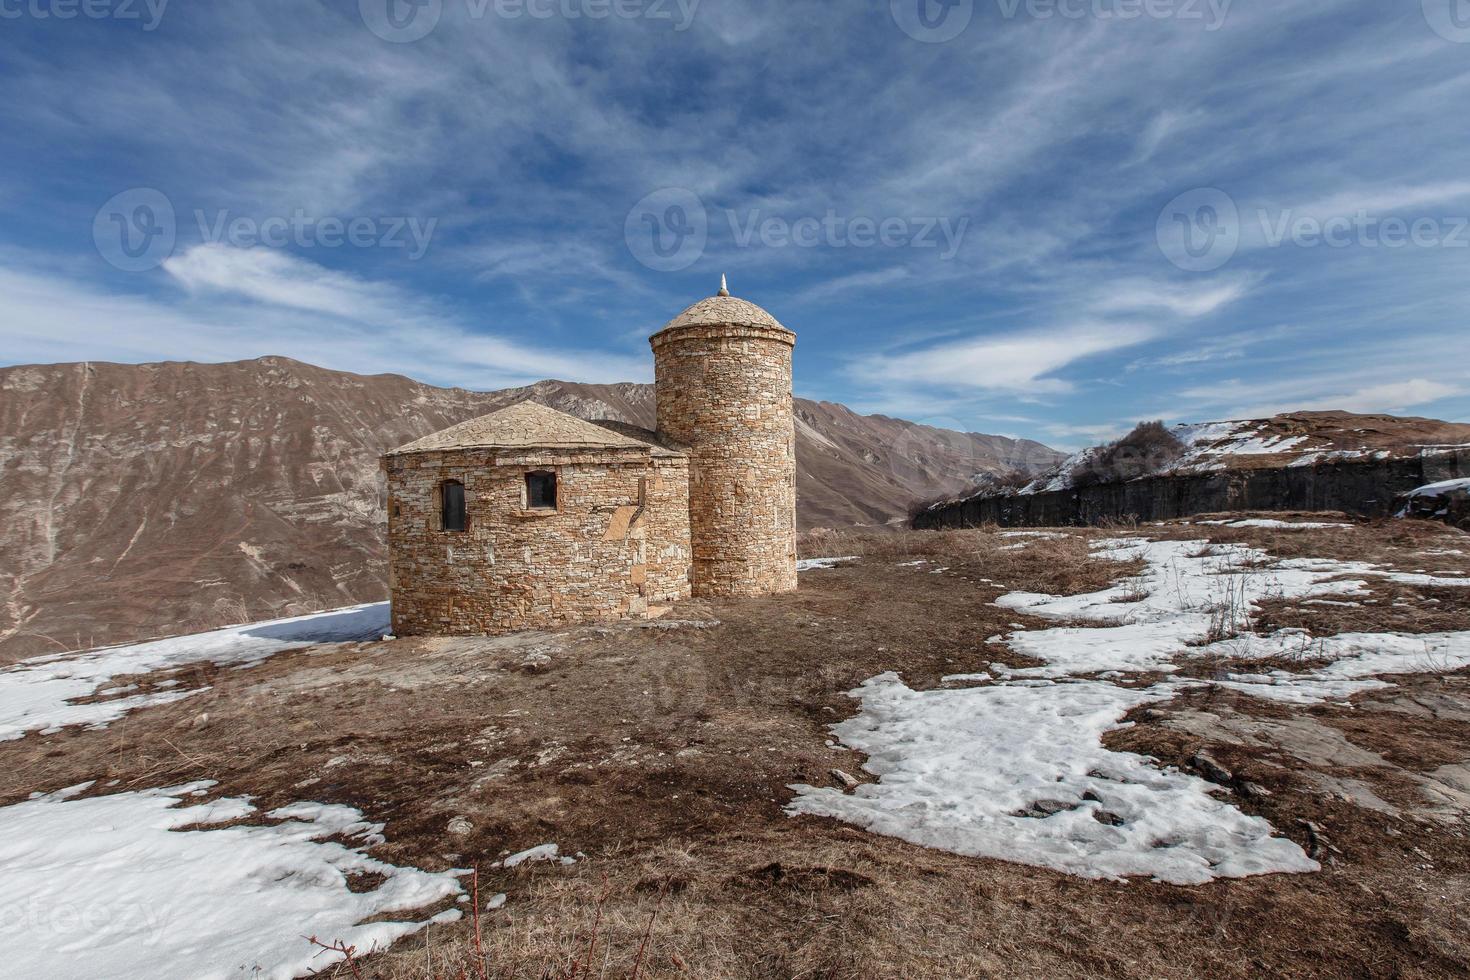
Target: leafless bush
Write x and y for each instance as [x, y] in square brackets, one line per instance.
[1147, 449]
[1009, 480]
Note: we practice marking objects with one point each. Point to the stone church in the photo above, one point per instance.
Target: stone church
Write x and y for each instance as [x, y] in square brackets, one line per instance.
[530, 518]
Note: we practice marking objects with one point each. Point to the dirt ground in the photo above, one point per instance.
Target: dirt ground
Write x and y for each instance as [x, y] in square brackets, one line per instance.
[663, 752]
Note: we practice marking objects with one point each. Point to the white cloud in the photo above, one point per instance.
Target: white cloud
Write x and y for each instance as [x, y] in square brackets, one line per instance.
[856, 282]
[276, 277]
[1386, 199]
[1068, 436]
[1185, 299]
[1015, 362]
[1391, 397]
[1234, 399]
[250, 303]
[1165, 123]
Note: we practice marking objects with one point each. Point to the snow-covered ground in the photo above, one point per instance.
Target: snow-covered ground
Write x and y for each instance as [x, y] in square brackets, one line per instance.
[1018, 772]
[1014, 768]
[1271, 522]
[38, 695]
[1440, 489]
[114, 886]
[819, 564]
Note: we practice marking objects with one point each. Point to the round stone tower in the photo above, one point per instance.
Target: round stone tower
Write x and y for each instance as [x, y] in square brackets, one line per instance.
[722, 370]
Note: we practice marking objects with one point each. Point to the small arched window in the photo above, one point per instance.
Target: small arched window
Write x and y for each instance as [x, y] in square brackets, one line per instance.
[451, 506]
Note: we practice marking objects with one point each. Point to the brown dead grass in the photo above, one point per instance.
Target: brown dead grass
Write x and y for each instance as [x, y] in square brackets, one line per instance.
[665, 753]
[1059, 563]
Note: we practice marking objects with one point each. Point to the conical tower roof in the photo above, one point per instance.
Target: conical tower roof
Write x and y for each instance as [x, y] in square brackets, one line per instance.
[724, 310]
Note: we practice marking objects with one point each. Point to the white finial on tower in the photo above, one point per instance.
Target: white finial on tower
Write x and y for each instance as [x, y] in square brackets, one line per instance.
[724, 285]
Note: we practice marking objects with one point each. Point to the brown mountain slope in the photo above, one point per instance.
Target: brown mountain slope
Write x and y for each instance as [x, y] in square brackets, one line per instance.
[143, 500]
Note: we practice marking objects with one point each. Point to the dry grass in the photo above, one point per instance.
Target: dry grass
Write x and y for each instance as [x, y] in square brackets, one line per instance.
[1059, 563]
[665, 753]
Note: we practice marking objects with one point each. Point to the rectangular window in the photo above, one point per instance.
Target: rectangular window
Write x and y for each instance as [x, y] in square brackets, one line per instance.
[541, 491]
[451, 506]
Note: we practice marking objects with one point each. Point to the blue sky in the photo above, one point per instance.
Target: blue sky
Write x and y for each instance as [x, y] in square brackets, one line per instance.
[1045, 218]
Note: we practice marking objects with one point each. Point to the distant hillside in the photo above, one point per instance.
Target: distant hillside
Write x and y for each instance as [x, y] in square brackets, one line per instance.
[1292, 439]
[1296, 461]
[161, 498]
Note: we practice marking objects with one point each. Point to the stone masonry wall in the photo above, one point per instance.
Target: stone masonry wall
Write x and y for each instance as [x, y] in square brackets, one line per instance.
[616, 546]
[725, 392]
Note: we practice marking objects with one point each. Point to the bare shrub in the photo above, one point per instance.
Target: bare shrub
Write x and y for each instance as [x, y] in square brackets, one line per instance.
[1147, 449]
[1008, 482]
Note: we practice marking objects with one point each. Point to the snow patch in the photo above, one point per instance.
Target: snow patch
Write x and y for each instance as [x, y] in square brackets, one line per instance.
[1287, 525]
[815, 564]
[542, 852]
[113, 886]
[39, 695]
[1440, 489]
[1016, 769]
[1019, 773]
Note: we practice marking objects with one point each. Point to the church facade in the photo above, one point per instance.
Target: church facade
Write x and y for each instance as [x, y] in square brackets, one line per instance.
[531, 518]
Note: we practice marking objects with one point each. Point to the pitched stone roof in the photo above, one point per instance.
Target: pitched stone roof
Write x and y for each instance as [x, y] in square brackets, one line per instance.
[527, 425]
[721, 311]
[662, 446]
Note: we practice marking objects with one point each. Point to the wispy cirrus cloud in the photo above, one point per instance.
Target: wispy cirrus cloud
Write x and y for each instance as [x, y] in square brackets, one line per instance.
[529, 140]
[245, 303]
[1023, 363]
[1239, 399]
[1187, 299]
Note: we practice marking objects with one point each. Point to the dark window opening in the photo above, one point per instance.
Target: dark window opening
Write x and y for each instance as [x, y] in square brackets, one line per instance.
[451, 506]
[541, 491]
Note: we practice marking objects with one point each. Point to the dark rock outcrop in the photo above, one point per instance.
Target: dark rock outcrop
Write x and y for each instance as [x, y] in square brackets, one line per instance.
[1368, 488]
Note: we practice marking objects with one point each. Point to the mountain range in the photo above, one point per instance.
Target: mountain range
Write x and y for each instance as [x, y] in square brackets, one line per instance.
[156, 499]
